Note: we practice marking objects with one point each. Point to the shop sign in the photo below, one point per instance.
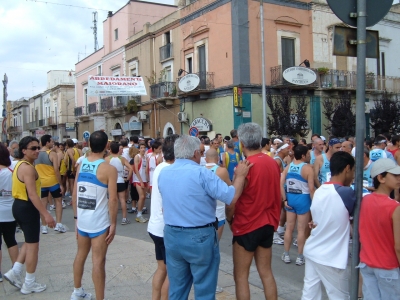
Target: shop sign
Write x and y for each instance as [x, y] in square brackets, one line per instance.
[115, 86]
[299, 75]
[202, 124]
[189, 82]
[116, 132]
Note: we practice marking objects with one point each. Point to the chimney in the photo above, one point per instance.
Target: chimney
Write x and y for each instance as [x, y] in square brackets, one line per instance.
[109, 14]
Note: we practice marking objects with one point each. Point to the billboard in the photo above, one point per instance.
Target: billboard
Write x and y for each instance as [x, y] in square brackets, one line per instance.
[115, 86]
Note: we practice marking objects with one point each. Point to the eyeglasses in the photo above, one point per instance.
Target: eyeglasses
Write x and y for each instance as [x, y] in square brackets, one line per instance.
[34, 148]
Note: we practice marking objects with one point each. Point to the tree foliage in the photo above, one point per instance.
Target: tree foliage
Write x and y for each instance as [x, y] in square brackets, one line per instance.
[341, 119]
[285, 120]
[385, 116]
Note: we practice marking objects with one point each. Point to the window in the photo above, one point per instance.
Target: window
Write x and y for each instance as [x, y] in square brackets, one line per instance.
[99, 70]
[202, 66]
[116, 34]
[85, 98]
[167, 38]
[288, 53]
[189, 64]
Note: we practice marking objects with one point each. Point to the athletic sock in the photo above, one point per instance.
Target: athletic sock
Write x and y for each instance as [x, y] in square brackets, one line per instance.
[17, 268]
[301, 255]
[286, 253]
[78, 291]
[58, 224]
[29, 278]
[139, 213]
[281, 229]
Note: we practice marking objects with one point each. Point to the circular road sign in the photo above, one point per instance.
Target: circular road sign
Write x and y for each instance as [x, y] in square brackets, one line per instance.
[376, 10]
[193, 131]
[86, 135]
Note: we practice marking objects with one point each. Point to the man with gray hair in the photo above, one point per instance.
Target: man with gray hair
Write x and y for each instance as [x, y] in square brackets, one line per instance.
[12, 147]
[189, 194]
[255, 216]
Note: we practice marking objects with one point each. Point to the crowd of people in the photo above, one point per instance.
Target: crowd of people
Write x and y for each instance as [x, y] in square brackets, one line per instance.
[263, 188]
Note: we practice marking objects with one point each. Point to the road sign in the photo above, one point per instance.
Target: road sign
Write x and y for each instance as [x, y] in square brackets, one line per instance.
[86, 135]
[376, 10]
[193, 131]
[342, 46]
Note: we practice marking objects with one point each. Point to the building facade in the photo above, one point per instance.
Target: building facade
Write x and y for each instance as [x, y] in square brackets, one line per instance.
[18, 119]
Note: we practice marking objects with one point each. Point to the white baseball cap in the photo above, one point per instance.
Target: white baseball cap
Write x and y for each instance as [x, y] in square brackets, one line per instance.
[323, 138]
[384, 165]
[75, 141]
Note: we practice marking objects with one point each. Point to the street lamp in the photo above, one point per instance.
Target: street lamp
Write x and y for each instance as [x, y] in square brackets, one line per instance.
[181, 71]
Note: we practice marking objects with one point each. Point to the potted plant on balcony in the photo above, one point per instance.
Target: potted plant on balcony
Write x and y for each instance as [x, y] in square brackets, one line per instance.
[163, 75]
[369, 82]
[323, 70]
[152, 78]
[174, 91]
[131, 106]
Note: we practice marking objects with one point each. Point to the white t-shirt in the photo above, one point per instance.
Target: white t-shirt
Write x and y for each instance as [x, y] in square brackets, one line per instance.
[6, 199]
[156, 222]
[79, 161]
[125, 154]
[331, 208]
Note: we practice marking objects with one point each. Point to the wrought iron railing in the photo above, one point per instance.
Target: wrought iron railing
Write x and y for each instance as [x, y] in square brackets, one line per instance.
[121, 101]
[163, 89]
[137, 99]
[206, 82]
[92, 108]
[32, 125]
[14, 129]
[166, 51]
[80, 111]
[106, 104]
[278, 80]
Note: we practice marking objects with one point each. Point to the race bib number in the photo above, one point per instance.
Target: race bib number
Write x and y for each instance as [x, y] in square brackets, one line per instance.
[87, 197]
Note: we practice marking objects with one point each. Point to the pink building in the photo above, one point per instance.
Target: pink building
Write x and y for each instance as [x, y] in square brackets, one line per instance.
[95, 113]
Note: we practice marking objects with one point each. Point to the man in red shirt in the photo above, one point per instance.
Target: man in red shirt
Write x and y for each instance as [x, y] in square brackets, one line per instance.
[255, 216]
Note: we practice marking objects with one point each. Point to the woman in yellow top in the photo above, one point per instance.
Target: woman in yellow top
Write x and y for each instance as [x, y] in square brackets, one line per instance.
[26, 209]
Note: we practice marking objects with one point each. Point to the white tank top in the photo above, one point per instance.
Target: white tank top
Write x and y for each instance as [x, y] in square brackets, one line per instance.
[141, 169]
[6, 199]
[92, 200]
[116, 162]
[152, 167]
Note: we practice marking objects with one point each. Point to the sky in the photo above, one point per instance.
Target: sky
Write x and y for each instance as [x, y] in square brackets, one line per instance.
[37, 36]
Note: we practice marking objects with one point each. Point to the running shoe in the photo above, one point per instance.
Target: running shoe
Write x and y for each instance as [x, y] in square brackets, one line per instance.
[13, 278]
[281, 234]
[147, 195]
[84, 295]
[44, 229]
[32, 288]
[295, 243]
[129, 201]
[60, 228]
[277, 239]
[144, 210]
[219, 290]
[132, 211]
[125, 221]
[52, 207]
[141, 219]
[286, 258]
[63, 204]
[300, 261]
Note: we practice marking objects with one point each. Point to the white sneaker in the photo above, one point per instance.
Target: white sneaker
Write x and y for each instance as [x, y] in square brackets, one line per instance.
[44, 229]
[60, 228]
[286, 258]
[63, 204]
[300, 261]
[277, 239]
[52, 207]
[13, 278]
[33, 288]
[219, 290]
[295, 243]
[84, 295]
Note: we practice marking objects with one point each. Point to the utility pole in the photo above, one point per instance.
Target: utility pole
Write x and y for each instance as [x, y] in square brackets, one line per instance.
[263, 91]
[4, 114]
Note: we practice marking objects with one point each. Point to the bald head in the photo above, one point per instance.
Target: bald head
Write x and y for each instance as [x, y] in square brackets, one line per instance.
[212, 156]
[347, 146]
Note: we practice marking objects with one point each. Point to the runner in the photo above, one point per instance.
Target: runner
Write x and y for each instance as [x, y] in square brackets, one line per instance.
[394, 148]
[236, 142]
[379, 151]
[133, 151]
[95, 215]
[281, 152]
[120, 163]
[140, 180]
[266, 146]
[47, 166]
[318, 147]
[230, 159]
[59, 148]
[152, 161]
[380, 239]
[327, 248]
[27, 208]
[322, 172]
[71, 156]
[297, 189]
[155, 228]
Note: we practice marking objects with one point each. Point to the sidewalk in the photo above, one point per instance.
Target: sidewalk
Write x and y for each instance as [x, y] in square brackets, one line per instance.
[129, 269]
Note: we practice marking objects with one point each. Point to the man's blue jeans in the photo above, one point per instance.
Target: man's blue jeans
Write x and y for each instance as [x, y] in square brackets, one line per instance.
[192, 257]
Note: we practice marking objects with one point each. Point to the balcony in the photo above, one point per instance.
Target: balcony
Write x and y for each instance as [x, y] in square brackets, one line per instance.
[81, 113]
[166, 52]
[163, 91]
[340, 80]
[14, 129]
[137, 99]
[106, 104]
[92, 108]
[50, 122]
[205, 86]
[42, 122]
[32, 125]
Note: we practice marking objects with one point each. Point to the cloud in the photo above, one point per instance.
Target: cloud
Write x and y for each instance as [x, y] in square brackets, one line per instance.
[37, 37]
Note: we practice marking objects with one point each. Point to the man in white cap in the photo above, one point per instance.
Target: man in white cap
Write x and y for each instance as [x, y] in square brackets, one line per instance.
[274, 145]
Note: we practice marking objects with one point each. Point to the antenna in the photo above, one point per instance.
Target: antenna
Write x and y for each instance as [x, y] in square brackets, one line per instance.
[96, 45]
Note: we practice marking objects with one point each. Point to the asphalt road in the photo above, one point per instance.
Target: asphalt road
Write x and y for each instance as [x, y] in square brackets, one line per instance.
[289, 277]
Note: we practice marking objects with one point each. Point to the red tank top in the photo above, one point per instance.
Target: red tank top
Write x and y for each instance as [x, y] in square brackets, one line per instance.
[376, 232]
[393, 151]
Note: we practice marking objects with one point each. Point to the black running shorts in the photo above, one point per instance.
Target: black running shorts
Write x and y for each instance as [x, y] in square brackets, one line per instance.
[159, 247]
[262, 236]
[28, 218]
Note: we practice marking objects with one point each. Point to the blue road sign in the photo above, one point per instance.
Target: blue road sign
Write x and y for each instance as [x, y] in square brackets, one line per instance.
[193, 131]
[86, 135]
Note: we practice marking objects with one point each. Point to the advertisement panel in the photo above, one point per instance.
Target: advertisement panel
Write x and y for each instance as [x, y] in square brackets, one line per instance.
[115, 86]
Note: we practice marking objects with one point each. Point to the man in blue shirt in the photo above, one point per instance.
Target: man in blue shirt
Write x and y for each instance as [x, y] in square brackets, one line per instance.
[189, 194]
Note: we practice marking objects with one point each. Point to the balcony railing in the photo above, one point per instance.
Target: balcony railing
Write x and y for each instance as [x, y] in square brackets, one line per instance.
[341, 79]
[80, 111]
[206, 83]
[14, 129]
[137, 99]
[163, 89]
[106, 104]
[92, 108]
[32, 125]
[166, 51]
[42, 122]
[50, 121]
[122, 101]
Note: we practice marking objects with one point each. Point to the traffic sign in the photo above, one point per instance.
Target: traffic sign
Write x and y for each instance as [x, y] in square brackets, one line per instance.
[376, 10]
[193, 131]
[86, 135]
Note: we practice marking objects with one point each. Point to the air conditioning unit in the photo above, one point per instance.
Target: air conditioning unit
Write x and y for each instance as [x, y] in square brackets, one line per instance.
[142, 115]
[182, 117]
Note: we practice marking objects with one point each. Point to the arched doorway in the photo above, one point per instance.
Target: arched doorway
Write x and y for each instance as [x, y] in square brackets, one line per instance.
[168, 129]
[117, 132]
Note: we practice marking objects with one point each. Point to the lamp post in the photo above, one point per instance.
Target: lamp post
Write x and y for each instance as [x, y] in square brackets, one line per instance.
[263, 91]
[4, 128]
